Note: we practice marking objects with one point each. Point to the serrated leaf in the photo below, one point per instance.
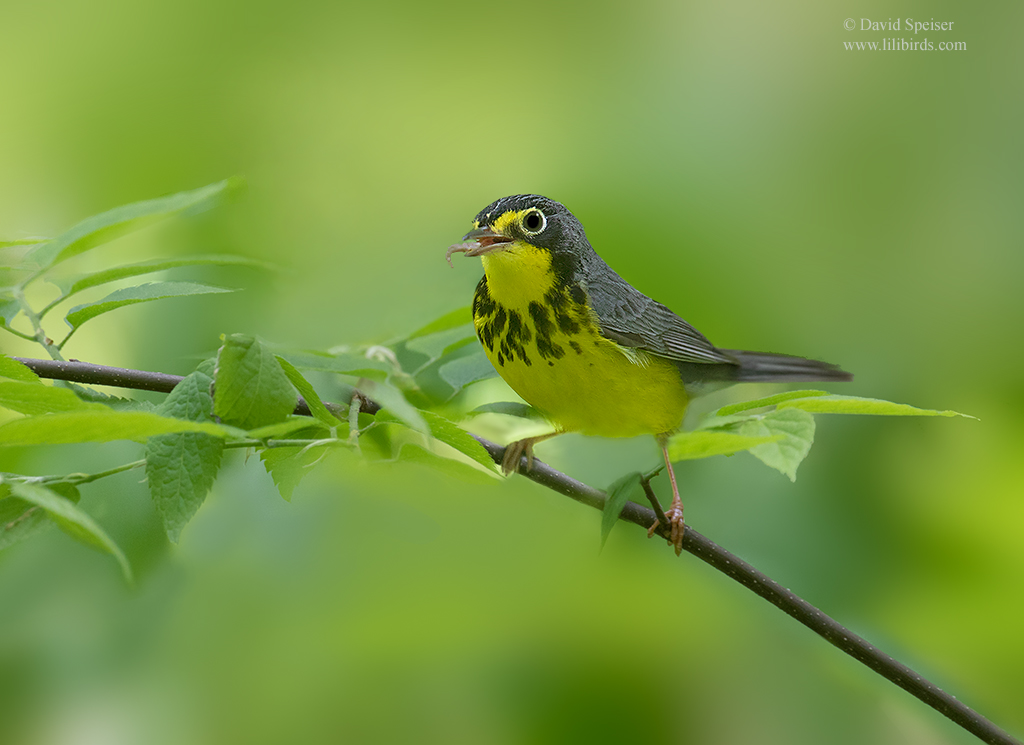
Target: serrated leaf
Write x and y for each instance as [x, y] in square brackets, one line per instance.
[457, 317]
[73, 286]
[72, 521]
[98, 426]
[11, 368]
[450, 434]
[794, 429]
[251, 390]
[706, 443]
[834, 404]
[509, 408]
[134, 295]
[181, 468]
[108, 225]
[36, 398]
[412, 453]
[391, 398]
[287, 466]
[466, 371]
[759, 403]
[207, 367]
[91, 395]
[306, 390]
[618, 494]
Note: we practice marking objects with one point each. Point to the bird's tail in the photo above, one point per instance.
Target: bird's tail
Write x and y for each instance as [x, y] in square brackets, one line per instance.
[764, 367]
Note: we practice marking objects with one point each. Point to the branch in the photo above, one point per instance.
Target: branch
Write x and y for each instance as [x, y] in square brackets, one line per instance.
[693, 542]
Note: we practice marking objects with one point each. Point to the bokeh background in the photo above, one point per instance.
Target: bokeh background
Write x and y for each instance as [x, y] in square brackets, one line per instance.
[732, 160]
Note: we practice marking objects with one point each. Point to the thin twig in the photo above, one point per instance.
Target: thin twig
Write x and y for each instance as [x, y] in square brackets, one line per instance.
[693, 542]
[645, 482]
[37, 326]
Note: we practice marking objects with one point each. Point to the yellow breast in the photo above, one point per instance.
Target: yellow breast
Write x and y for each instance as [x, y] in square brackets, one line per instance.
[542, 339]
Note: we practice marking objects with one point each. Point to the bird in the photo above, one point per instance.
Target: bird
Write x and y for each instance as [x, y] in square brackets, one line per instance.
[587, 349]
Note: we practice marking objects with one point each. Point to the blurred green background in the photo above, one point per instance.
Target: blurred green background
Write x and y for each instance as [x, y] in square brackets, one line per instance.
[732, 160]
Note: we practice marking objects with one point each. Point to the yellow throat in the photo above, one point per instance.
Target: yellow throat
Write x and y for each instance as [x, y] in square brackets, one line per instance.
[542, 338]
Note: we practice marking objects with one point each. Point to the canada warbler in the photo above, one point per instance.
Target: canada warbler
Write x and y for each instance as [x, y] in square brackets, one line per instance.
[586, 348]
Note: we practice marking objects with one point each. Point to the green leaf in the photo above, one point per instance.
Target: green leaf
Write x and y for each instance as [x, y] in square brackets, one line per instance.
[705, 443]
[88, 281]
[288, 465]
[412, 453]
[466, 371]
[441, 343]
[11, 368]
[251, 390]
[618, 494]
[345, 363]
[190, 398]
[181, 468]
[726, 423]
[794, 430]
[72, 521]
[36, 398]
[133, 295]
[391, 398]
[9, 308]
[98, 426]
[20, 519]
[759, 403]
[450, 434]
[306, 390]
[834, 404]
[509, 408]
[455, 346]
[99, 229]
[458, 317]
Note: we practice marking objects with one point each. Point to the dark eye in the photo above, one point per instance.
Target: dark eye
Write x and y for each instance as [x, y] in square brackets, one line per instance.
[534, 222]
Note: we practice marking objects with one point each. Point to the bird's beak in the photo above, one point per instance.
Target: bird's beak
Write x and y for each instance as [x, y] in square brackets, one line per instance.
[479, 242]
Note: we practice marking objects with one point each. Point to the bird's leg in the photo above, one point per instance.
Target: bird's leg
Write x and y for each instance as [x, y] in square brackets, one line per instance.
[673, 514]
[514, 452]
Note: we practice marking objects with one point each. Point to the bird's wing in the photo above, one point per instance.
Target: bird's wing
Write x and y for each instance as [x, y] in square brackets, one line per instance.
[628, 317]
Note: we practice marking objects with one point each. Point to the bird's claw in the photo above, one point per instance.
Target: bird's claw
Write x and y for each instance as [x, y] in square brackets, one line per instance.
[676, 528]
[514, 453]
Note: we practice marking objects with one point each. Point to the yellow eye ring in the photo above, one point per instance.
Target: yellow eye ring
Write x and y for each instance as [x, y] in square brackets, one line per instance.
[534, 222]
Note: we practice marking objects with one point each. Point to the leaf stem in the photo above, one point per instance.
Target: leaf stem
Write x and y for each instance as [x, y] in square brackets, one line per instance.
[26, 337]
[37, 327]
[87, 478]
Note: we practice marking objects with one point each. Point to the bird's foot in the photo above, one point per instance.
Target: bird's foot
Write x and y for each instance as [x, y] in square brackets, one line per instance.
[514, 453]
[676, 527]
